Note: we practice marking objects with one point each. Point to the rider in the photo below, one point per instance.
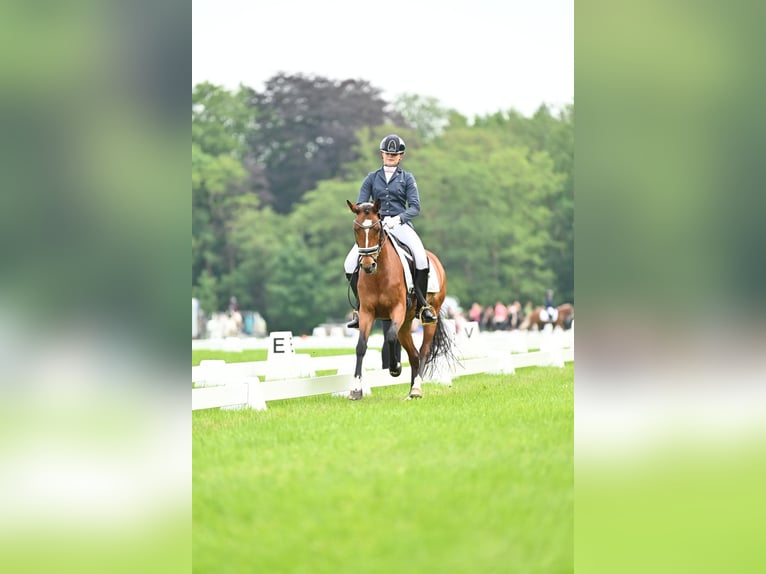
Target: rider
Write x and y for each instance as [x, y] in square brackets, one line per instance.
[549, 306]
[399, 204]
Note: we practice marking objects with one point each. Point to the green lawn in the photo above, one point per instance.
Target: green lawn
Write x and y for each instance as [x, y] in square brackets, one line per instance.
[474, 478]
[259, 354]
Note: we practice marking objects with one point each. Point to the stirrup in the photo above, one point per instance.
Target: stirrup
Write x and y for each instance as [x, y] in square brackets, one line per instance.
[354, 322]
[427, 320]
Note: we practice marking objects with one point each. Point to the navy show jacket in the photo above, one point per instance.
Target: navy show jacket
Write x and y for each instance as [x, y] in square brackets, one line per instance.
[397, 197]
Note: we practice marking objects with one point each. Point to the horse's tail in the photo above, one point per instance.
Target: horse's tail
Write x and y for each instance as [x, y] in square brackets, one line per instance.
[442, 345]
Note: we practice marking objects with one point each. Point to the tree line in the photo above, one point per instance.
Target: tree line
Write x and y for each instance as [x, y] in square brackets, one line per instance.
[271, 172]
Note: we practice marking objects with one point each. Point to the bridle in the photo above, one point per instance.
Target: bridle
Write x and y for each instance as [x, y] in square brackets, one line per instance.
[374, 251]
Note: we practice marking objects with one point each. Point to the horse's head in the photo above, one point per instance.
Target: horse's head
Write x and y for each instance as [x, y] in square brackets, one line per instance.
[566, 312]
[368, 232]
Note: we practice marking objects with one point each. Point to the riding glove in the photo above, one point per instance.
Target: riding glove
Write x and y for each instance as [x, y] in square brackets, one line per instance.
[391, 222]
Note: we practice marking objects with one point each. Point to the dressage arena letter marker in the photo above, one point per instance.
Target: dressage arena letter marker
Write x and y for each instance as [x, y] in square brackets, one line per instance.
[281, 345]
[468, 340]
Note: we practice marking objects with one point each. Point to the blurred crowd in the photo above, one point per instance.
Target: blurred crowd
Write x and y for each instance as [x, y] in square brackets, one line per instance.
[491, 317]
[500, 316]
[230, 323]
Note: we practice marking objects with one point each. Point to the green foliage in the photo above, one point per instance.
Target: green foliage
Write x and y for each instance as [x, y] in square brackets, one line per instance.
[497, 196]
[221, 120]
[324, 222]
[306, 130]
[206, 291]
[222, 191]
[425, 115]
[256, 235]
[292, 302]
[487, 214]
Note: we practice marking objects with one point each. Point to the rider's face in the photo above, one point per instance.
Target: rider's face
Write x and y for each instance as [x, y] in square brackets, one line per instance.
[391, 159]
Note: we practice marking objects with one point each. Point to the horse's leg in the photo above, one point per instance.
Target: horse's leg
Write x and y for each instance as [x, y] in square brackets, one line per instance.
[405, 337]
[365, 325]
[397, 358]
[393, 351]
[385, 352]
[425, 346]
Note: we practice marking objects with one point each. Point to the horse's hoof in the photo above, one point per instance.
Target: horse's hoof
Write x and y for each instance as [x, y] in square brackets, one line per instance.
[355, 395]
[396, 371]
[414, 395]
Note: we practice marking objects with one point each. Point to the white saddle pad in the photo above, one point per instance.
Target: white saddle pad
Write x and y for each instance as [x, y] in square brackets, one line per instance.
[552, 316]
[433, 279]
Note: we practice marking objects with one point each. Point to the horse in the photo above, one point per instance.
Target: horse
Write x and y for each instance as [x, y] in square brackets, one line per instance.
[563, 319]
[383, 294]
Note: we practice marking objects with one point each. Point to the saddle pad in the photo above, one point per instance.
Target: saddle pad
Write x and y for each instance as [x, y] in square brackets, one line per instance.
[552, 316]
[405, 258]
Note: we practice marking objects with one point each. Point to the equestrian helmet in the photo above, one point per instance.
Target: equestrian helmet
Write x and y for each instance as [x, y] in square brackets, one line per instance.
[392, 144]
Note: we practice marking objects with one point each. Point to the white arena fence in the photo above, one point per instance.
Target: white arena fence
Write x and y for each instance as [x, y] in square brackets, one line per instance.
[287, 374]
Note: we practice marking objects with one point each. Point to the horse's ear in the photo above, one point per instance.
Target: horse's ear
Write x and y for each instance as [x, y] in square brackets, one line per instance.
[376, 207]
[351, 206]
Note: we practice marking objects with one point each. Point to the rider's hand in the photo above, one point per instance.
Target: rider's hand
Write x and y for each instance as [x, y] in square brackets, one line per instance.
[391, 222]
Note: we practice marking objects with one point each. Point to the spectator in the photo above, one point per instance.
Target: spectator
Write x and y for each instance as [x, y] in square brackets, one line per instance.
[234, 321]
[501, 316]
[528, 308]
[233, 305]
[474, 313]
[487, 318]
[514, 315]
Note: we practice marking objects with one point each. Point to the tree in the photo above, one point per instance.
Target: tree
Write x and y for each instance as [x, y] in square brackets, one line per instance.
[217, 194]
[324, 223]
[497, 195]
[306, 129]
[222, 187]
[257, 235]
[292, 300]
[553, 135]
[485, 213]
[423, 114]
[560, 146]
[207, 292]
[221, 121]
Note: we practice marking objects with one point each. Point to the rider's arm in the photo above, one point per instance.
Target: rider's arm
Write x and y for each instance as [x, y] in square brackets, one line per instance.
[365, 192]
[413, 199]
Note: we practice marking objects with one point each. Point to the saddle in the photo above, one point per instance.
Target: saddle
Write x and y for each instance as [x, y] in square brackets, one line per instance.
[408, 264]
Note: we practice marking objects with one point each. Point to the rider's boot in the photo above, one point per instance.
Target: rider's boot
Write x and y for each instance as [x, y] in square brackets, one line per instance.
[352, 279]
[425, 312]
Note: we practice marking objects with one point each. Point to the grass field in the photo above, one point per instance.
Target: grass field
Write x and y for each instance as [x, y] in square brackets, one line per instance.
[474, 478]
[259, 354]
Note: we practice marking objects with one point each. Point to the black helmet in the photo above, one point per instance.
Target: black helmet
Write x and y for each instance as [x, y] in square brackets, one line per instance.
[392, 144]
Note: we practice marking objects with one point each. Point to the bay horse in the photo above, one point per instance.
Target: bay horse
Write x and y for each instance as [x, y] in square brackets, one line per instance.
[563, 319]
[383, 294]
